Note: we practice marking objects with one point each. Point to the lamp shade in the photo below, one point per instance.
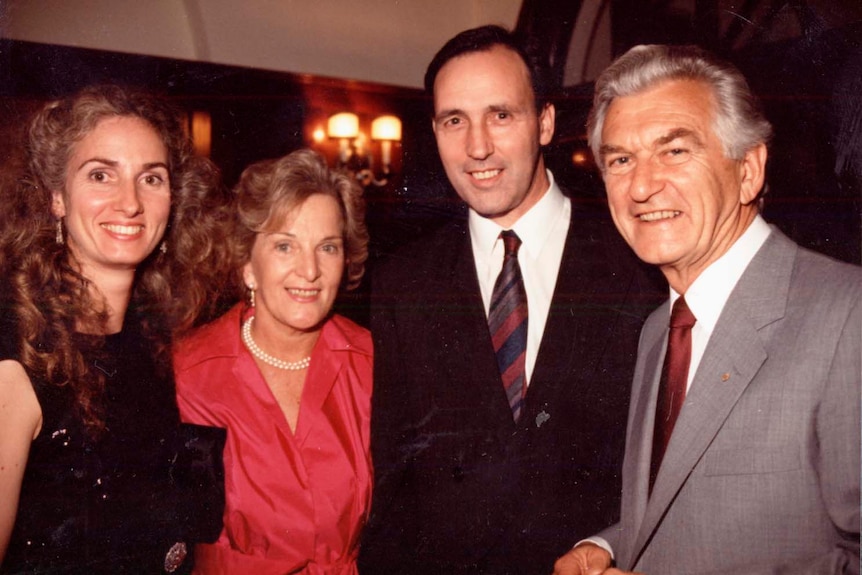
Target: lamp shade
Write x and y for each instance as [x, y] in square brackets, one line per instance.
[343, 125]
[386, 128]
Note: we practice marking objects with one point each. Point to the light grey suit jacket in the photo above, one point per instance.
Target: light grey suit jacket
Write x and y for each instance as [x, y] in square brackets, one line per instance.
[762, 471]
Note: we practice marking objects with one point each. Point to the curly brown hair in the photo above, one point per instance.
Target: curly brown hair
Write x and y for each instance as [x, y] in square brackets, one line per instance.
[268, 190]
[47, 296]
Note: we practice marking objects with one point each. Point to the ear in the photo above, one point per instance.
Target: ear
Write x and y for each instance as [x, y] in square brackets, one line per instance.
[58, 204]
[434, 127]
[546, 124]
[248, 275]
[753, 173]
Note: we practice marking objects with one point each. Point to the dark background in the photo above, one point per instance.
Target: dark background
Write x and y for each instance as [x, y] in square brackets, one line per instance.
[810, 83]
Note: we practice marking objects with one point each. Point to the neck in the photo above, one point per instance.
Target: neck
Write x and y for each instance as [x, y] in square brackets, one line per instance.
[680, 277]
[114, 291]
[538, 188]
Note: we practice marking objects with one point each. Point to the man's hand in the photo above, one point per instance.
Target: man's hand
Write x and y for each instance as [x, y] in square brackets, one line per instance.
[585, 559]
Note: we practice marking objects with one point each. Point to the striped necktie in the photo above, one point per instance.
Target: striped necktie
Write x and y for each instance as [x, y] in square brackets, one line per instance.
[507, 322]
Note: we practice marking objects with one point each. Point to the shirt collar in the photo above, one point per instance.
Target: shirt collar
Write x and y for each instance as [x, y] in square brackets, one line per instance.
[710, 291]
[533, 228]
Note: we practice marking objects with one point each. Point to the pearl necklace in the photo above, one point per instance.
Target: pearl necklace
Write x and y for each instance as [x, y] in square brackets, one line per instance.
[265, 357]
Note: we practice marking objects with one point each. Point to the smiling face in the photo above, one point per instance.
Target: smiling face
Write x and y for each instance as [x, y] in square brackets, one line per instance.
[296, 267]
[117, 196]
[674, 196]
[489, 133]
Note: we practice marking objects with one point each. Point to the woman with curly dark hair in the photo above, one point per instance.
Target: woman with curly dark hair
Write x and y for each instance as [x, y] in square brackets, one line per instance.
[290, 380]
[108, 211]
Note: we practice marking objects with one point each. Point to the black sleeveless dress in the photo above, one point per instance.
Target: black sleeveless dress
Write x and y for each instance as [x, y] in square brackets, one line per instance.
[127, 501]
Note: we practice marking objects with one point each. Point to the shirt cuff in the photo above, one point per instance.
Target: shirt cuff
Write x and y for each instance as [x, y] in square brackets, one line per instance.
[600, 541]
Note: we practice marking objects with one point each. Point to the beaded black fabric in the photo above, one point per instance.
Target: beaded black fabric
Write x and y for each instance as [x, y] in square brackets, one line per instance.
[117, 503]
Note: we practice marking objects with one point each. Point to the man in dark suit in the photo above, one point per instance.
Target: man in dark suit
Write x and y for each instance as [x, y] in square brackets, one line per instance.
[474, 475]
[761, 440]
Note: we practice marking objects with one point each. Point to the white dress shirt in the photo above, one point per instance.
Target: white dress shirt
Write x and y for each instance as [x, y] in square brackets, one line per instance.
[709, 292]
[542, 231]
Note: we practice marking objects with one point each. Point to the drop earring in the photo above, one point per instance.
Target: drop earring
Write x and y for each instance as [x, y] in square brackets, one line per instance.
[59, 237]
[164, 247]
[251, 295]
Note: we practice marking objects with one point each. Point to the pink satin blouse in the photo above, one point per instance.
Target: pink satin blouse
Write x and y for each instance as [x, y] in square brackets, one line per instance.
[295, 503]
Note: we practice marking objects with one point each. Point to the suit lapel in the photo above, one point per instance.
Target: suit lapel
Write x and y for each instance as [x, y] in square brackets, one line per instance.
[572, 341]
[458, 323]
[554, 357]
[639, 439]
[732, 358]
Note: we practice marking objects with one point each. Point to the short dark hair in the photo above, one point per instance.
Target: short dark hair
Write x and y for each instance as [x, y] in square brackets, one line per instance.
[483, 39]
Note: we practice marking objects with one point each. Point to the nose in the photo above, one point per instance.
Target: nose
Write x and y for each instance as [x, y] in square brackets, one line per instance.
[645, 180]
[479, 142]
[307, 266]
[128, 199]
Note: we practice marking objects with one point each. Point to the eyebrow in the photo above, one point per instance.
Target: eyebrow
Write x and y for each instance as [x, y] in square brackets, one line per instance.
[491, 109]
[675, 134]
[114, 163]
[606, 149]
[291, 235]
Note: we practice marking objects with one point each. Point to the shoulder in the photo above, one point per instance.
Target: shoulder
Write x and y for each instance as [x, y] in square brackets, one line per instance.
[834, 276]
[217, 339]
[422, 256]
[343, 334]
[811, 276]
[20, 412]
[592, 226]
[349, 346]
[826, 291]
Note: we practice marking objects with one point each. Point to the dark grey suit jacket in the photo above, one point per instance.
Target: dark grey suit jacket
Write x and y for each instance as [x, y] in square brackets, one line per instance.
[762, 470]
[461, 488]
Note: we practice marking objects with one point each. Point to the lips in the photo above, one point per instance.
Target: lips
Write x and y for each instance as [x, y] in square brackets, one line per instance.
[303, 293]
[485, 174]
[123, 230]
[659, 215]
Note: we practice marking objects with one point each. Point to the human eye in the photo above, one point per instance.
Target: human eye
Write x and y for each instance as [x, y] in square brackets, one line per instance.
[333, 248]
[618, 164]
[154, 180]
[675, 155]
[283, 247]
[99, 176]
[501, 117]
[451, 122]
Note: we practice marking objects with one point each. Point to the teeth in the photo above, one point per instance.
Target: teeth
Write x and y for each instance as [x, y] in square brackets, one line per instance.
[655, 216]
[123, 230]
[485, 174]
[304, 292]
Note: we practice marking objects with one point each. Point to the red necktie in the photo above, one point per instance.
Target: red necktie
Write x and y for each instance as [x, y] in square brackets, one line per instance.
[507, 322]
[674, 376]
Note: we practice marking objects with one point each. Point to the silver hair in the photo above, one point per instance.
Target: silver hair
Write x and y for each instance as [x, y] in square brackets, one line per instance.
[739, 123]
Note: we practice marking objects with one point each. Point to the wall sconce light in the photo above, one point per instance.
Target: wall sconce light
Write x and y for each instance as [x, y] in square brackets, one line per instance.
[353, 150]
[345, 127]
[386, 129]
